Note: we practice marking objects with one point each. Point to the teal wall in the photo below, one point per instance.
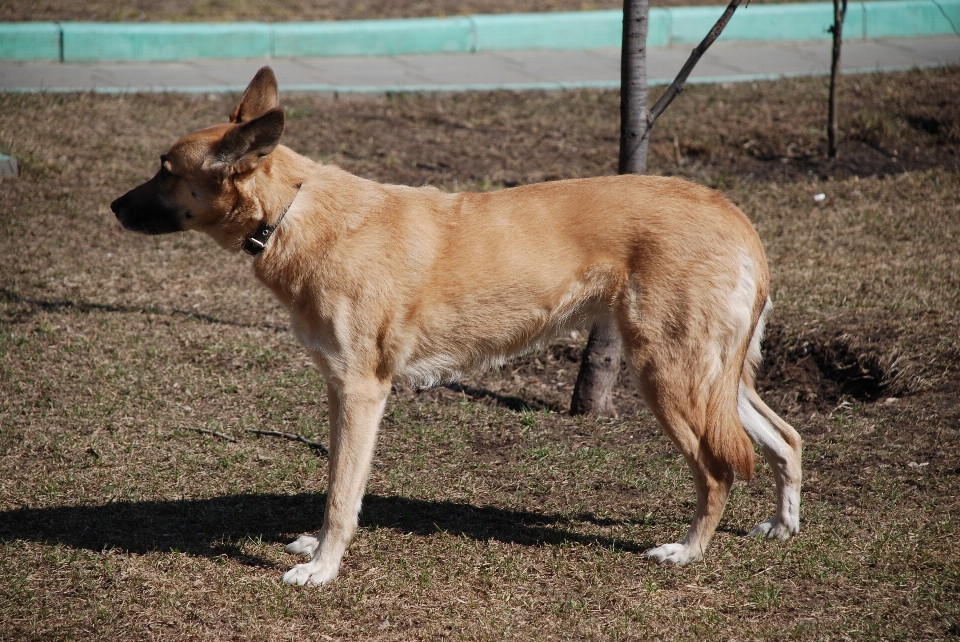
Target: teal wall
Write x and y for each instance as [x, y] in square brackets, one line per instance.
[30, 41]
[91, 41]
[88, 41]
[372, 37]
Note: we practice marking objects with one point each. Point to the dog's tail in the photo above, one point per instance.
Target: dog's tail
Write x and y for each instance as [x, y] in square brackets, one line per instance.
[727, 443]
[727, 438]
[760, 424]
[754, 356]
[757, 416]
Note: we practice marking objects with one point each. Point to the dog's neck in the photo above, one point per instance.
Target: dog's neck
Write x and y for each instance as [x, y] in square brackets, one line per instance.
[257, 243]
[265, 197]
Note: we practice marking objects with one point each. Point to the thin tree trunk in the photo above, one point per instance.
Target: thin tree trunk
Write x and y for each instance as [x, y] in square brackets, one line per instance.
[600, 365]
[599, 369]
[839, 13]
[633, 89]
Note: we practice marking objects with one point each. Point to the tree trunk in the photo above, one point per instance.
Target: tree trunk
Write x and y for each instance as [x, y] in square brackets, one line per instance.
[599, 368]
[600, 365]
[633, 89]
[839, 13]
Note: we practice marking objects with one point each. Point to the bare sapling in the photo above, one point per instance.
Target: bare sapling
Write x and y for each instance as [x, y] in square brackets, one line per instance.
[839, 13]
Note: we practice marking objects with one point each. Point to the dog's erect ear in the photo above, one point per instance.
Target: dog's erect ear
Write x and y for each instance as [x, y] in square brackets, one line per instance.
[260, 97]
[245, 145]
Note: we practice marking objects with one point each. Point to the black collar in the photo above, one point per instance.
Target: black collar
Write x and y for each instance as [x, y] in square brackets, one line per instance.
[258, 242]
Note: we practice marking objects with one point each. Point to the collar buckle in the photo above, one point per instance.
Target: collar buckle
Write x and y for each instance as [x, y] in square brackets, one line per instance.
[258, 242]
[253, 246]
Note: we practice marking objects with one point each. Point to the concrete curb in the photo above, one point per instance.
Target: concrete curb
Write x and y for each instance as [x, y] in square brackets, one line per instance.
[165, 42]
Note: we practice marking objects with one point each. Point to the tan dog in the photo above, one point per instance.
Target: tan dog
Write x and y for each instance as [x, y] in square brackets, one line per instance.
[386, 281]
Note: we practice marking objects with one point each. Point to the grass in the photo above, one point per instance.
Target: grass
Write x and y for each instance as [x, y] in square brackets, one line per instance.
[293, 10]
[480, 522]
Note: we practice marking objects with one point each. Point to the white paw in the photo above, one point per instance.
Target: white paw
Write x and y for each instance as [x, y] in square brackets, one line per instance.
[303, 545]
[308, 574]
[679, 554]
[773, 528]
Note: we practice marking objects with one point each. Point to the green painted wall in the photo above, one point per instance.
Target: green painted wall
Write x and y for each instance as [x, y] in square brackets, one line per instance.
[90, 41]
[29, 41]
[372, 37]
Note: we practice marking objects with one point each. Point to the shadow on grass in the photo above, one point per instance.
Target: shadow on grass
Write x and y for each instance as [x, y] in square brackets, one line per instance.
[58, 305]
[218, 526]
[516, 404]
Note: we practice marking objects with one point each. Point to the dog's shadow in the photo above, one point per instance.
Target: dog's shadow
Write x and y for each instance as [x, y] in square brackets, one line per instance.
[219, 526]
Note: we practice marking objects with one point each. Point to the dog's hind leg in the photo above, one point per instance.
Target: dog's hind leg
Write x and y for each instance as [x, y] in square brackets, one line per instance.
[689, 383]
[780, 445]
[359, 407]
[712, 476]
[778, 442]
[307, 544]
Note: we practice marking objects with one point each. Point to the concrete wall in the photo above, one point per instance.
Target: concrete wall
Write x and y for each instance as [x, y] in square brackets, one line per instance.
[92, 41]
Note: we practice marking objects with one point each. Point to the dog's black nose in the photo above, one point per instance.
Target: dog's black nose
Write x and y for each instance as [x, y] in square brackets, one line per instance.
[115, 206]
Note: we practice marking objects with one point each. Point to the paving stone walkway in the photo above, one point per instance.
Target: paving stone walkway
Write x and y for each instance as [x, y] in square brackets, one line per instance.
[723, 62]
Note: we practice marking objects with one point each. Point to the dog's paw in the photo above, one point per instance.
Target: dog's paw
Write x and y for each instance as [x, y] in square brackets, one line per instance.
[774, 528]
[679, 554]
[308, 574]
[303, 545]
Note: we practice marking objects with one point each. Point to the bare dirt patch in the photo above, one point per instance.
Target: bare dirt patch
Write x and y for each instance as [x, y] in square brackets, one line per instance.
[490, 513]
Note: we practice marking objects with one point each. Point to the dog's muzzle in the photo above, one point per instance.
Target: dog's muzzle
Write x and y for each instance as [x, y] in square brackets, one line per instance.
[142, 210]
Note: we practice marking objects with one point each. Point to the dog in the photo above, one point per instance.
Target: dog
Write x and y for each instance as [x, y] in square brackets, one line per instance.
[386, 282]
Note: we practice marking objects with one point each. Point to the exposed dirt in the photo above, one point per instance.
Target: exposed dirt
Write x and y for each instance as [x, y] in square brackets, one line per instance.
[835, 361]
[887, 130]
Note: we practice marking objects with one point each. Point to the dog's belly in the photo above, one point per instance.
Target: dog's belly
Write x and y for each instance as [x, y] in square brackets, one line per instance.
[463, 341]
[450, 360]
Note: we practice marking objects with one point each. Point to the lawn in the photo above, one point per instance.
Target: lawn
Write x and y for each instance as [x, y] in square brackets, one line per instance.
[490, 513]
[297, 10]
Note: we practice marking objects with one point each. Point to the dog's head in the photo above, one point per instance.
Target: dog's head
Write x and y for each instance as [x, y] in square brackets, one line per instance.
[200, 179]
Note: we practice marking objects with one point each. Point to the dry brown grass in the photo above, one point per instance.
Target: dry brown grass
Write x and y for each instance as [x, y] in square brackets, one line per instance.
[295, 10]
[481, 522]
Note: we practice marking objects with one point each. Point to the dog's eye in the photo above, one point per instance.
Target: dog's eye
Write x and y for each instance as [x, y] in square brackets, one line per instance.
[164, 168]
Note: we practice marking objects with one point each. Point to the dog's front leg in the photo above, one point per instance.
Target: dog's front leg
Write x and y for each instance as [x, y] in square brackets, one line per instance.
[355, 411]
[307, 544]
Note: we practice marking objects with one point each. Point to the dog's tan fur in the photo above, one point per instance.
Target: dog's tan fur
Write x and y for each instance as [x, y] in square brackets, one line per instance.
[385, 281]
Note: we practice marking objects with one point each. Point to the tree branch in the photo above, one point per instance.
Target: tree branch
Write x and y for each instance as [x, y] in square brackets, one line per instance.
[211, 432]
[679, 82]
[839, 13]
[286, 435]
